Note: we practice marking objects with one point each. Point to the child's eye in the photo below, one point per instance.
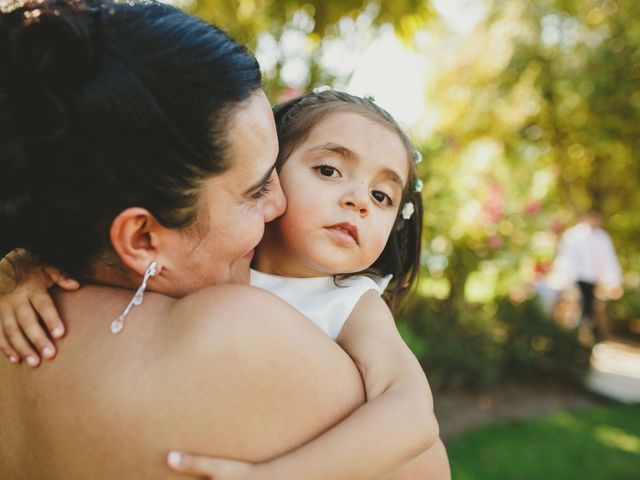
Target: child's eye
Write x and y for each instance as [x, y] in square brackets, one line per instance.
[264, 190]
[382, 197]
[327, 171]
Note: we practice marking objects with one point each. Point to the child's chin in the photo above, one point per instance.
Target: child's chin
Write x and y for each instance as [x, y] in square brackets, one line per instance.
[340, 268]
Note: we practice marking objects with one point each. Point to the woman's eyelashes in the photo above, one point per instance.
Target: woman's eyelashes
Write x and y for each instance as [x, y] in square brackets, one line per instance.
[264, 190]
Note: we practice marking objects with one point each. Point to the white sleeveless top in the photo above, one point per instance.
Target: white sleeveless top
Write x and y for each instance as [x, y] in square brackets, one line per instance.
[319, 298]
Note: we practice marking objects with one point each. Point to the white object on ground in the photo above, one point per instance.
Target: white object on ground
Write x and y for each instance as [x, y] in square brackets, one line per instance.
[615, 371]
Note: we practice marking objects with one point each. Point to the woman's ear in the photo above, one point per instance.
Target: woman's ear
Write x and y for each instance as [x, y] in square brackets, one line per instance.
[134, 236]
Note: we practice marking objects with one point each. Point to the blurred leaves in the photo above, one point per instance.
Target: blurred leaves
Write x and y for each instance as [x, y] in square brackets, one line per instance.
[530, 120]
[291, 37]
[247, 19]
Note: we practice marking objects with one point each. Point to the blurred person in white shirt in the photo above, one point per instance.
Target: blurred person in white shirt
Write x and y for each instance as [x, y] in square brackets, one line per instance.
[586, 256]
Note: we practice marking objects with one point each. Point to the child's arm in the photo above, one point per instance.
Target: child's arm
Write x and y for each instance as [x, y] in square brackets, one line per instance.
[24, 298]
[394, 426]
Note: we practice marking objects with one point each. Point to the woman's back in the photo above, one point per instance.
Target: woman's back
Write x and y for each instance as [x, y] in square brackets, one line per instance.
[211, 373]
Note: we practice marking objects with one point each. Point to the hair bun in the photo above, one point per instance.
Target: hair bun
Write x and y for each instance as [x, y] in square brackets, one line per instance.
[53, 45]
[46, 48]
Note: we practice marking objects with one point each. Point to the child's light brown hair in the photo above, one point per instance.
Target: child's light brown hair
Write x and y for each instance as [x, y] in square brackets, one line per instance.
[401, 255]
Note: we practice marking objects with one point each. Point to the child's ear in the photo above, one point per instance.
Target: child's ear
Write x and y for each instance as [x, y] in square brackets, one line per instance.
[134, 235]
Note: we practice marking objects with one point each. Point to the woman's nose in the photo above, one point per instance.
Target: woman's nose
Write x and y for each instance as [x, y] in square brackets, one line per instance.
[276, 203]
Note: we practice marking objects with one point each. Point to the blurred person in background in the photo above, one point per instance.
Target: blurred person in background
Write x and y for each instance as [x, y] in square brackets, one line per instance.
[586, 256]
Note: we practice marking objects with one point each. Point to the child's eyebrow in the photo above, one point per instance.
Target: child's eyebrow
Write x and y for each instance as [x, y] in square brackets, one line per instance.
[335, 148]
[394, 177]
[349, 155]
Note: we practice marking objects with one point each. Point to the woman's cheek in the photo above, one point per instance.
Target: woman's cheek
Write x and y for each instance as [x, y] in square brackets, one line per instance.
[257, 232]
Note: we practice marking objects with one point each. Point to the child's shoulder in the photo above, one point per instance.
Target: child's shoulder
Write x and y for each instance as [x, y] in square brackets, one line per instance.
[371, 304]
[366, 293]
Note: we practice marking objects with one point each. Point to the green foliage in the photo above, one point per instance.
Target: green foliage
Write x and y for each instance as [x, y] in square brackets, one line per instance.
[316, 23]
[474, 345]
[454, 350]
[599, 444]
[531, 119]
[537, 348]
[538, 112]
[246, 19]
[624, 315]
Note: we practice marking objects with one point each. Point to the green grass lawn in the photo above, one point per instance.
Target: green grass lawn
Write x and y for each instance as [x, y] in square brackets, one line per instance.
[591, 444]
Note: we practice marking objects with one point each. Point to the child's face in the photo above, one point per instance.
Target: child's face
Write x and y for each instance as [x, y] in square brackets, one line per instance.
[343, 186]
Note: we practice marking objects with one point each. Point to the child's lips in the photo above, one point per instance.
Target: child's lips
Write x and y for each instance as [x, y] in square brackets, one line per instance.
[346, 229]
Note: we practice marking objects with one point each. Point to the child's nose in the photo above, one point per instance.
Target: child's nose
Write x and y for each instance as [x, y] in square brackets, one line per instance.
[357, 199]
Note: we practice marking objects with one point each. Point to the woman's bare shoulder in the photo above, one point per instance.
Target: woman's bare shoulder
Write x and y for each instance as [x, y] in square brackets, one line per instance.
[235, 310]
[228, 371]
[256, 367]
[250, 322]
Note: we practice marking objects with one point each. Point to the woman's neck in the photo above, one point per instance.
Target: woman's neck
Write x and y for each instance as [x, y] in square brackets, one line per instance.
[110, 274]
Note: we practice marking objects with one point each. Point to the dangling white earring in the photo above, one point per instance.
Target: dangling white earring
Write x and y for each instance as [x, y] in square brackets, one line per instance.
[118, 324]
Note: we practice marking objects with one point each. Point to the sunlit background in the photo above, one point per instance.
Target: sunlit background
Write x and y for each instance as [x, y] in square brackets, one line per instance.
[527, 113]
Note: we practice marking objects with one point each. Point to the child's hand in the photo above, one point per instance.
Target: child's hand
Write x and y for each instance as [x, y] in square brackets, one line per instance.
[214, 468]
[24, 297]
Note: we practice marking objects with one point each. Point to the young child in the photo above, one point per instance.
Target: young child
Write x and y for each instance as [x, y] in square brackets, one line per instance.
[351, 229]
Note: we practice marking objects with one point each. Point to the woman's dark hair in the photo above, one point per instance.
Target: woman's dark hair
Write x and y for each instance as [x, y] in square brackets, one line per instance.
[105, 106]
[401, 256]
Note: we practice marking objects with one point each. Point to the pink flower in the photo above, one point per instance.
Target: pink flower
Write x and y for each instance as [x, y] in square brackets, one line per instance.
[495, 242]
[532, 207]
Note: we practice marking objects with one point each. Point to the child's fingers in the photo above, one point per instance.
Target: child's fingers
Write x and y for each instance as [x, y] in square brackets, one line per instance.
[191, 465]
[49, 313]
[68, 283]
[61, 280]
[31, 328]
[17, 340]
[209, 467]
[7, 349]
[37, 336]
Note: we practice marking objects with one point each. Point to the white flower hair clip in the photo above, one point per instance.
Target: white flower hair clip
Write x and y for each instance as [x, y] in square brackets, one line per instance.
[418, 186]
[322, 88]
[407, 210]
[417, 157]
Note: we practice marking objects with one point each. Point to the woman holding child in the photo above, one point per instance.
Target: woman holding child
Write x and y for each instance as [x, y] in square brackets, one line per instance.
[138, 153]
